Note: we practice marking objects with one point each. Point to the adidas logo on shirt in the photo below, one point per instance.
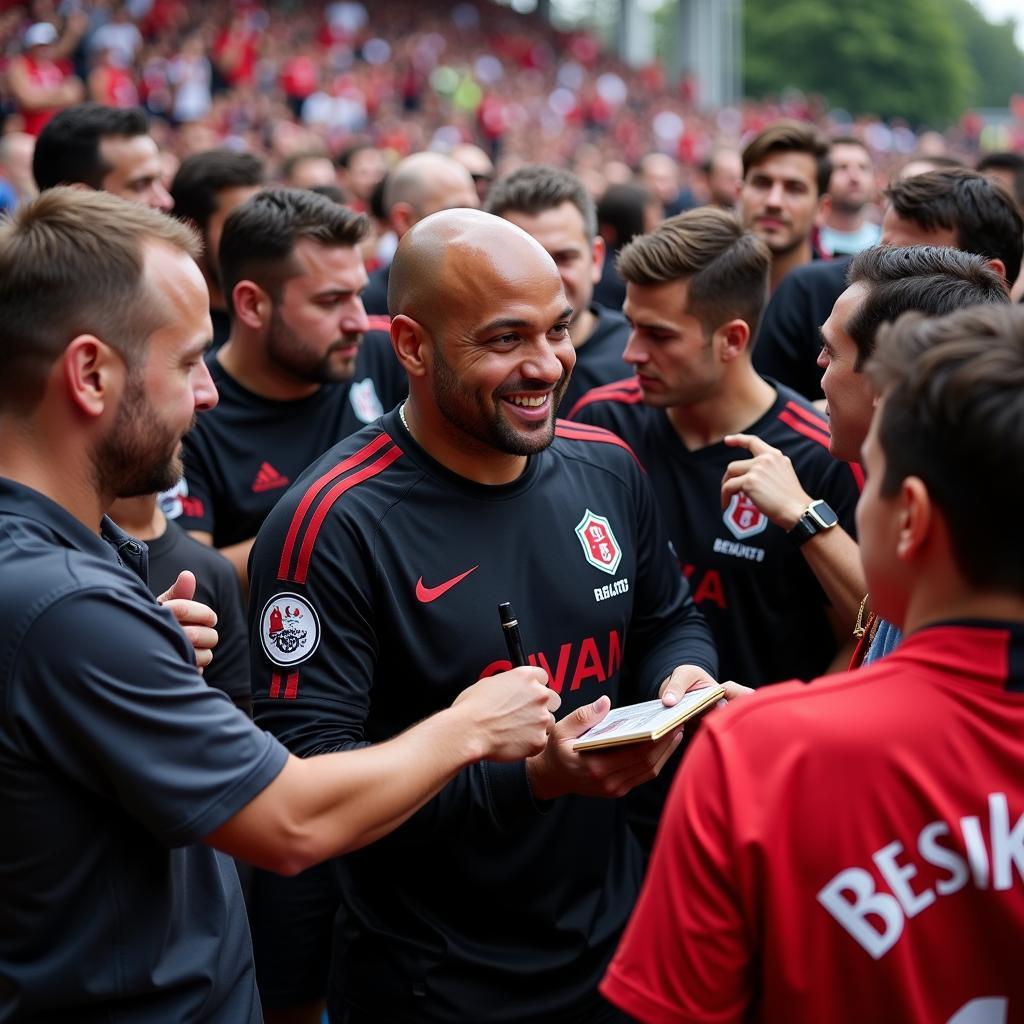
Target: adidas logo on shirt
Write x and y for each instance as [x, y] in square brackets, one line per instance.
[268, 479]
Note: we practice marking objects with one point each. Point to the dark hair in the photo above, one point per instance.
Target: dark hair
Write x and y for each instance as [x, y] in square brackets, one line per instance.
[982, 216]
[953, 416]
[621, 208]
[260, 235]
[349, 153]
[68, 149]
[929, 279]
[790, 137]
[293, 160]
[203, 176]
[72, 262]
[726, 268]
[538, 187]
[1012, 162]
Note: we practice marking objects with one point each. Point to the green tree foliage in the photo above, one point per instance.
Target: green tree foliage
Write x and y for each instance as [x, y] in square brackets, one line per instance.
[992, 53]
[894, 58]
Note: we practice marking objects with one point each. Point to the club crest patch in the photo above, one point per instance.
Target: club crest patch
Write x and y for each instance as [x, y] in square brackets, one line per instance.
[600, 548]
[289, 629]
[365, 403]
[743, 517]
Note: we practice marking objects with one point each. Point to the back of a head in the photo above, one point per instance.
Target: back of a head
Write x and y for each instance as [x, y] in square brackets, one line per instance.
[260, 236]
[68, 149]
[953, 415]
[790, 137]
[725, 267]
[928, 279]
[1011, 166]
[983, 217]
[202, 176]
[620, 212]
[422, 180]
[71, 263]
[535, 188]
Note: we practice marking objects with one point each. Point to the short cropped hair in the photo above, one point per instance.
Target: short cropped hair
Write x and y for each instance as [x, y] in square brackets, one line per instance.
[621, 209]
[259, 238]
[202, 176]
[71, 263]
[982, 215]
[538, 187]
[726, 267]
[929, 279]
[1013, 163]
[791, 137]
[953, 415]
[68, 149]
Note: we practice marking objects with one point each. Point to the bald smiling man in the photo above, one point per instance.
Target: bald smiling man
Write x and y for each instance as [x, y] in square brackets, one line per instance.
[502, 899]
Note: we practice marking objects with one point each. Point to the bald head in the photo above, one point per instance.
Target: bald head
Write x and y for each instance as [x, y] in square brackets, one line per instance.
[451, 260]
[425, 183]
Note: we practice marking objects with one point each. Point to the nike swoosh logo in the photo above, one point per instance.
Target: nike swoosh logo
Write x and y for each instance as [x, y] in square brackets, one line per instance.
[427, 594]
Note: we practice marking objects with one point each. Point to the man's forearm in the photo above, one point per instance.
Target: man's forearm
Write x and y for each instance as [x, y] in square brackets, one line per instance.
[329, 804]
[834, 558]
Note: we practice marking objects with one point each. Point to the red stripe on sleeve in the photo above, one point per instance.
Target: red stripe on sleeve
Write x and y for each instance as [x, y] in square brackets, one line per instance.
[308, 542]
[625, 392]
[586, 432]
[813, 418]
[275, 685]
[291, 686]
[805, 428]
[311, 495]
[858, 474]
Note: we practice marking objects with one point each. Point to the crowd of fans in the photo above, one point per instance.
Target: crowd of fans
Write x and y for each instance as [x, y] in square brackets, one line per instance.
[279, 79]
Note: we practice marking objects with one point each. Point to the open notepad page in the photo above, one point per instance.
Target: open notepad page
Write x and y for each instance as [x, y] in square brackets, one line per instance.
[639, 723]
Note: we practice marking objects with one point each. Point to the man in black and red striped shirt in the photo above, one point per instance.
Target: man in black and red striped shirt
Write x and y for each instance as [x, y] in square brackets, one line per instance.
[375, 586]
[695, 289]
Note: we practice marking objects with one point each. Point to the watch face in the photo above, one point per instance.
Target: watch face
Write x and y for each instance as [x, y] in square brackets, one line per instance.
[822, 513]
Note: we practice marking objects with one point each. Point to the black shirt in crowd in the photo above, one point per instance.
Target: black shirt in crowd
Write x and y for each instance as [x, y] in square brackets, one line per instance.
[217, 586]
[789, 338]
[242, 455]
[765, 607]
[375, 584]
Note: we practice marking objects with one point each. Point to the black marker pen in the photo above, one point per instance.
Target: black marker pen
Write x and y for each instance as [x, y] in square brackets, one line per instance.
[513, 638]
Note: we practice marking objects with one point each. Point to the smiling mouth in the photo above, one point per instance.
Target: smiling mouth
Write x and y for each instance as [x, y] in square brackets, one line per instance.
[529, 402]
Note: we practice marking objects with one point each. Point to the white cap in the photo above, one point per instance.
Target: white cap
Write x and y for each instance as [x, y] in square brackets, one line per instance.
[42, 33]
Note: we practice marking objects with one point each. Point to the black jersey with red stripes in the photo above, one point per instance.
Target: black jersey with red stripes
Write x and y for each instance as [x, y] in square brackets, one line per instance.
[765, 607]
[375, 586]
[242, 455]
[599, 359]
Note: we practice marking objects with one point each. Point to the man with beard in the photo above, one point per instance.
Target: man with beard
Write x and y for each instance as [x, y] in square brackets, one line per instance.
[785, 176]
[119, 767]
[298, 372]
[501, 900]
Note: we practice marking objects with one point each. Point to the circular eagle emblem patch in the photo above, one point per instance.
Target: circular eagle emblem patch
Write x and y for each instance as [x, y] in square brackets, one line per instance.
[289, 629]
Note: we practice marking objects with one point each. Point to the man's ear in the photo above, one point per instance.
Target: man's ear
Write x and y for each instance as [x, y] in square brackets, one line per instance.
[402, 216]
[94, 374]
[598, 251]
[251, 304]
[411, 344]
[824, 209]
[999, 267]
[917, 519]
[732, 339]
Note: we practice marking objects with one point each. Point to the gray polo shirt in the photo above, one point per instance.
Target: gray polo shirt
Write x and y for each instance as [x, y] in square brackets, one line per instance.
[115, 760]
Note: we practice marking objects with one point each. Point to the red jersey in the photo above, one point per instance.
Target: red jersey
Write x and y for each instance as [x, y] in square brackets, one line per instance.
[46, 74]
[852, 850]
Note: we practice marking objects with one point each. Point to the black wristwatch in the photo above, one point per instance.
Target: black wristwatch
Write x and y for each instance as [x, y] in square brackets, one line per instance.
[819, 517]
